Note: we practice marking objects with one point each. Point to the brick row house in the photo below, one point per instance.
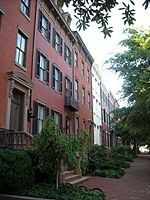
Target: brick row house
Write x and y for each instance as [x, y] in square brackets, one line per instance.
[45, 69]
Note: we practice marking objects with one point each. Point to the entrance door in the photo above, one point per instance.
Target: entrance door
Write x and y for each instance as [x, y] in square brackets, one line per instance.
[16, 112]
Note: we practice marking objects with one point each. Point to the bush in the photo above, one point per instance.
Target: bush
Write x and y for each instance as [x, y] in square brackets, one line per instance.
[109, 173]
[15, 170]
[97, 156]
[65, 192]
[121, 150]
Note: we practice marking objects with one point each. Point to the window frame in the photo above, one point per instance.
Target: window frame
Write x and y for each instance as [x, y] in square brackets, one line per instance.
[76, 89]
[77, 125]
[76, 59]
[67, 55]
[47, 33]
[20, 50]
[83, 95]
[82, 68]
[89, 101]
[46, 71]
[60, 121]
[55, 81]
[25, 9]
[58, 45]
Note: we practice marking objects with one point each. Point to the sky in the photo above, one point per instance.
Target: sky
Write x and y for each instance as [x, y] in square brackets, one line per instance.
[102, 49]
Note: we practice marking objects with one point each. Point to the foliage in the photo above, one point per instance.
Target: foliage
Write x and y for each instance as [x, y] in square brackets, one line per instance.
[65, 192]
[96, 155]
[111, 173]
[78, 145]
[15, 170]
[87, 11]
[50, 147]
[133, 65]
[121, 150]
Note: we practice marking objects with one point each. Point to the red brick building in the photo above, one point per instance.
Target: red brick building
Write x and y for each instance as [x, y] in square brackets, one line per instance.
[45, 68]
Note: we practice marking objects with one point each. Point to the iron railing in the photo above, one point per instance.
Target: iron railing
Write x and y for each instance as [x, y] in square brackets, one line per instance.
[71, 103]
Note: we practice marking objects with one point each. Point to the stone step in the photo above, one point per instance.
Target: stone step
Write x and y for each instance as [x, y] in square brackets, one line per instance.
[79, 180]
[69, 173]
[72, 177]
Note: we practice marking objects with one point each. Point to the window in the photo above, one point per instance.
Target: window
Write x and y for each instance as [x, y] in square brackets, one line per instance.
[42, 67]
[40, 113]
[1, 15]
[68, 55]
[44, 26]
[76, 90]
[76, 59]
[82, 69]
[21, 49]
[104, 115]
[57, 42]
[84, 125]
[89, 101]
[25, 4]
[77, 125]
[68, 87]
[67, 125]
[57, 79]
[57, 118]
[83, 95]
[88, 75]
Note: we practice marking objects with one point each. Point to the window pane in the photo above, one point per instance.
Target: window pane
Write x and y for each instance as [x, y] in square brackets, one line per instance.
[23, 42]
[21, 58]
[19, 40]
[42, 62]
[17, 56]
[41, 74]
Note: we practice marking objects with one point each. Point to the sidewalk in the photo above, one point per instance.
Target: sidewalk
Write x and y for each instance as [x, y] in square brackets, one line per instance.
[134, 185]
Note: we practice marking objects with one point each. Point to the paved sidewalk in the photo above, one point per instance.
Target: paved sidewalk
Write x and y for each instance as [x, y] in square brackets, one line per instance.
[134, 185]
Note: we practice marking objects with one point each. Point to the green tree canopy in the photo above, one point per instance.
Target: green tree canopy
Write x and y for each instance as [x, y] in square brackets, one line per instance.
[99, 11]
[133, 65]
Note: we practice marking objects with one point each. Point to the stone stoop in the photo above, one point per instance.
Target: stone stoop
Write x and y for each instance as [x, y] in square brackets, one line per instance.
[74, 179]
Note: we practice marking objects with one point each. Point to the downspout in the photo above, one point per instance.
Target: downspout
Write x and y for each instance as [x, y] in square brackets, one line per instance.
[33, 63]
[73, 79]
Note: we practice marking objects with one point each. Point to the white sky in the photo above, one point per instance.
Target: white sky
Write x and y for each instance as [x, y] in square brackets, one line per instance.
[102, 49]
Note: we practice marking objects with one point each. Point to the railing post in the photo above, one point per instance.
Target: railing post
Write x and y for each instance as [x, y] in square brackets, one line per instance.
[78, 168]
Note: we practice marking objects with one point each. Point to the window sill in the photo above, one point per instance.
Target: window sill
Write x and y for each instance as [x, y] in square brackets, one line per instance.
[21, 67]
[28, 18]
[42, 81]
[57, 91]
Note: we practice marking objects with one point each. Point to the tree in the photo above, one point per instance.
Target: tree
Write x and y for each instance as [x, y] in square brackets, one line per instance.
[133, 65]
[51, 146]
[99, 11]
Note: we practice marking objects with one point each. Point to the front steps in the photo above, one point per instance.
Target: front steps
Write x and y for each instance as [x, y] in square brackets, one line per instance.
[74, 179]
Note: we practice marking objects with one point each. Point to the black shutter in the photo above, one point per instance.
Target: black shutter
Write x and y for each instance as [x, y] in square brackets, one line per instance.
[60, 82]
[70, 88]
[53, 78]
[40, 21]
[49, 31]
[70, 59]
[65, 51]
[54, 37]
[61, 45]
[35, 119]
[38, 63]
[60, 121]
[52, 112]
[46, 111]
[47, 71]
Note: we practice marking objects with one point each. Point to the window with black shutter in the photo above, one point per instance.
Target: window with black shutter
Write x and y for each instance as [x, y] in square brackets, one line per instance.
[57, 42]
[42, 67]
[56, 79]
[67, 54]
[40, 114]
[44, 26]
[57, 118]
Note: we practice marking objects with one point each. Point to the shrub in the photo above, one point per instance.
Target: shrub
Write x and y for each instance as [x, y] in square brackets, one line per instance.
[15, 170]
[65, 192]
[97, 156]
[109, 173]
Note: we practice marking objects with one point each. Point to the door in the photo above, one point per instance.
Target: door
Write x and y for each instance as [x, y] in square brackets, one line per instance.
[16, 111]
